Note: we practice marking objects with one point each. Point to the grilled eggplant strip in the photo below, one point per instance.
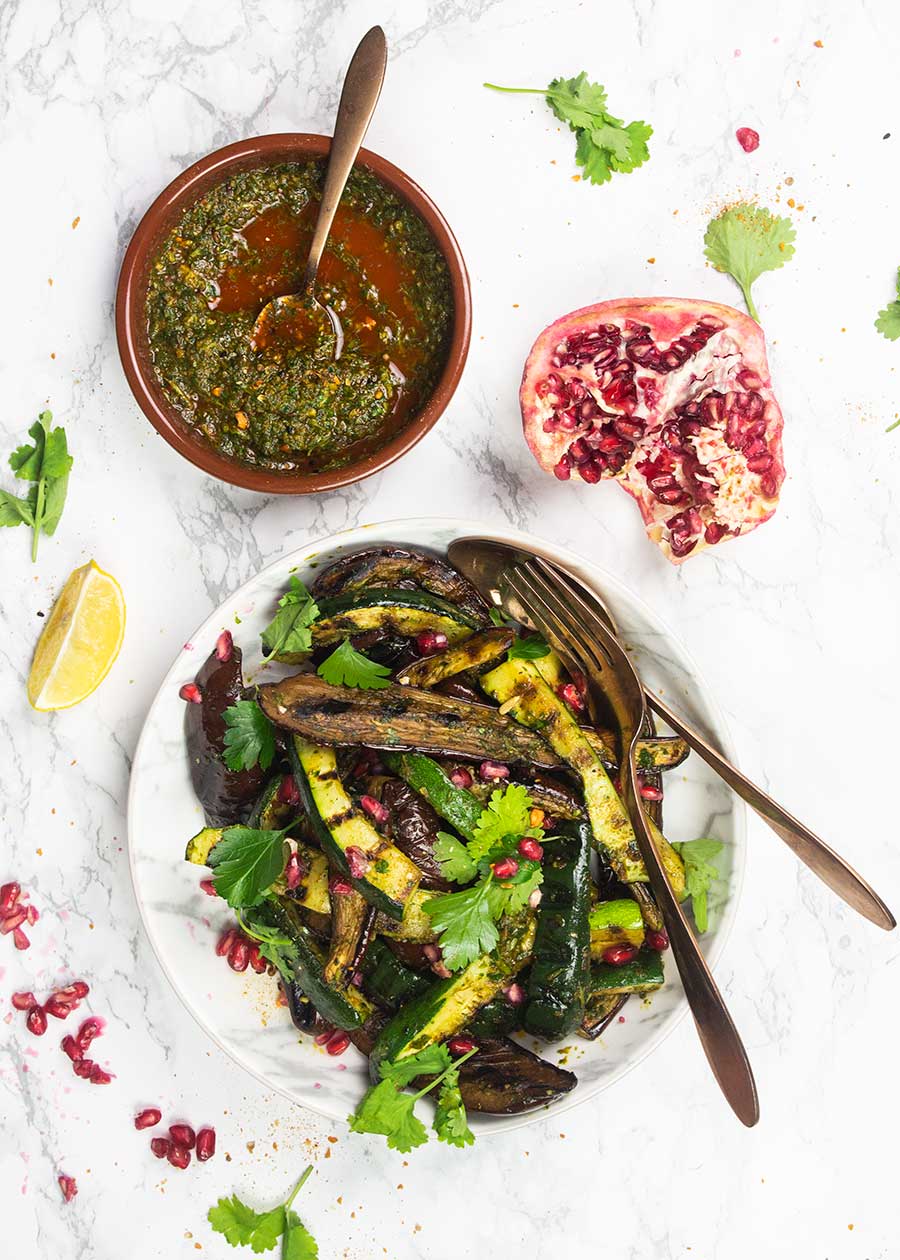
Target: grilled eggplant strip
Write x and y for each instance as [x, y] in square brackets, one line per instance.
[390, 566]
[475, 653]
[414, 830]
[348, 916]
[400, 718]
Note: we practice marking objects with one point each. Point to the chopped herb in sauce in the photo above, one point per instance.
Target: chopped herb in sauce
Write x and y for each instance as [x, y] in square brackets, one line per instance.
[295, 408]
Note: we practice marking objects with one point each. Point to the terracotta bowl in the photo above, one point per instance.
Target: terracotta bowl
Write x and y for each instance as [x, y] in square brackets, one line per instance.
[131, 321]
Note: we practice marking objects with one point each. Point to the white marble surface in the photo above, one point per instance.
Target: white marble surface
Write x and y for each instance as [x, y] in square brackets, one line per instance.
[102, 103]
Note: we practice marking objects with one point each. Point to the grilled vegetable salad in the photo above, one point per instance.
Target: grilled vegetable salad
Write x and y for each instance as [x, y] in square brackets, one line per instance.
[421, 831]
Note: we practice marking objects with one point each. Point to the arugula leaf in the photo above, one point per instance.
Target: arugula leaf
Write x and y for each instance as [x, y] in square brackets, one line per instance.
[289, 630]
[888, 321]
[507, 814]
[464, 923]
[603, 144]
[249, 737]
[699, 874]
[529, 649]
[246, 864]
[453, 856]
[349, 668]
[450, 1122]
[244, 1227]
[387, 1111]
[45, 462]
[432, 1061]
[744, 241]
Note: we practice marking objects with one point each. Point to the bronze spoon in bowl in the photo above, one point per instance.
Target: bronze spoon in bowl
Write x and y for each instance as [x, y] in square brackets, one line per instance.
[300, 318]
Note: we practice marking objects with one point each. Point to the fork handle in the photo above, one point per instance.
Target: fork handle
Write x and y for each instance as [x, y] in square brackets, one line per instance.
[813, 852]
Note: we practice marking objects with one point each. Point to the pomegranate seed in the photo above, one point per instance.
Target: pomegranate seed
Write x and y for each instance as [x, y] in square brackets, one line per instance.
[90, 1029]
[224, 646]
[432, 952]
[71, 1047]
[760, 463]
[570, 694]
[431, 641]
[206, 1145]
[322, 1038]
[160, 1147]
[59, 1008]
[515, 994]
[293, 872]
[380, 813]
[714, 532]
[257, 962]
[490, 770]
[83, 1067]
[239, 955]
[9, 895]
[288, 792]
[36, 1021]
[191, 693]
[75, 991]
[592, 472]
[31, 915]
[535, 899]
[619, 955]
[178, 1156]
[769, 486]
[460, 1045]
[505, 868]
[209, 887]
[339, 886]
[23, 1001]
[99, 1076]
[69, 1187]
[183, 1135]
[12, 921]
[147, 1118]
[357, 861]
[225, 942]
[461, 778]
[747, 138]
[563, 470]
[650, 792]
[338, 1043]
[658, 941]
[529, 848]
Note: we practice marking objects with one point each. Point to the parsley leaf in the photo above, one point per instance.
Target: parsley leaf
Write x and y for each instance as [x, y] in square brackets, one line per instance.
[387, 1111]
[464, 923]
[603, 144]
[507, 814]
[456, 865]
[888, 321]
[288, 634]
[699, 874]
[450, 1122]
[298, 1243]
[528, 649]
[260, 1231]
[15, 511]
[744, 241]
[246, 864]
[249, 738]
[45, 462]
[276, 948]
[432, 1061]
[349, 668]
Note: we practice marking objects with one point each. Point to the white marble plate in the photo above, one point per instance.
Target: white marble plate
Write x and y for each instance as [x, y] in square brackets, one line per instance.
[239, 1011]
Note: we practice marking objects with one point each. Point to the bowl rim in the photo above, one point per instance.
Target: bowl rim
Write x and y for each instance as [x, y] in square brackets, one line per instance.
[163, 212]
[315, 548]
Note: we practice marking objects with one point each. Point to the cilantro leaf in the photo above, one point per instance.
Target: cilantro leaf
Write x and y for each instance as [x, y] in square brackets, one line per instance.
[888, 321]
[45, 462]
[298, 1243]
[744, 241]
[507, 814]
[528, 649]
[498, 618]
[246, 864]
[243, 1227]
[432, 1061]
[387, 1111]
[576, 101]
[349, 668]
[699, 874]
[453, 856]
[276, 948]
[288, 634]
[15, 511]
[464, 924]
[249, 737]
[450, 1122]
[511, 896]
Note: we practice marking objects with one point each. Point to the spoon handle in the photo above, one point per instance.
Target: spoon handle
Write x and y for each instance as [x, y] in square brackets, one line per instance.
[359, 96]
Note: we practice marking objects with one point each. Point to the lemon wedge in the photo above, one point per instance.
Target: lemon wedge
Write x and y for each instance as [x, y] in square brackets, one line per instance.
[80, 641]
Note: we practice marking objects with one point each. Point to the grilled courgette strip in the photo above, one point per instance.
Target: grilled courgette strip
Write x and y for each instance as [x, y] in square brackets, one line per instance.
[474, 653]
[397, 611]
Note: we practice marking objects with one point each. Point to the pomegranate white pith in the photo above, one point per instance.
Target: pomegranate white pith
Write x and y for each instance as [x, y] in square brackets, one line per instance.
[673, 399]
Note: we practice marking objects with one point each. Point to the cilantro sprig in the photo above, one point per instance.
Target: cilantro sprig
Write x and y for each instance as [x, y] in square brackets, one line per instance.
[289, 633]
[531, 648]
[260, 1231]
[46, 463]
[246, 863]
[744, 241]
[700, 874]
[387, 1110]
[348, 668]
[249, 737]
[603, 144]
[888, 321]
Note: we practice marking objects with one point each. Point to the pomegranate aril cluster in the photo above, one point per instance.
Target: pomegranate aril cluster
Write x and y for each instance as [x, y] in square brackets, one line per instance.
[76, 1048]
[182, 1139]
[59, 1004]
[16, 914]
[240, 951]
[334, 1040]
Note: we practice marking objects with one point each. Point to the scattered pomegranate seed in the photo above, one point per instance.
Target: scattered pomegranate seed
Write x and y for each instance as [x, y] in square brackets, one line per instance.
[178, 1156]
[147, 1118]
[75, 991]
[747, 138]
[83, 1067]
[36, 1021]
[257, 962]
[206, 1145]
[619, 955]
[535, 899]
[209, 887]
[99, 1076]
[650, 792]
[239, 955]
[529, 848]
[160, 1147]
[68, 1185]
[357, 861]
[225, 942]
[339, 886]
[20, 940]
[460, 1045]
[288, 792]
[224, 646]
[505, 868]
[13, 920]
[489, 770]
[569, 693]
[294, 872]
[515, 994]
[72, 1049]
[431, 641]
[338, 1043]
[183, 1135]
[90, 1028]
[461, 778]
[23, 1001]
[57, 1007]
[191, 693]
[658, 941]
[9, 895]
[376, 811]
[31, 915]
[322, 1038]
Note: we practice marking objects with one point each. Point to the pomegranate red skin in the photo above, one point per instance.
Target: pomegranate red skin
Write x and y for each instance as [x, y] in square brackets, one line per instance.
[614, 408]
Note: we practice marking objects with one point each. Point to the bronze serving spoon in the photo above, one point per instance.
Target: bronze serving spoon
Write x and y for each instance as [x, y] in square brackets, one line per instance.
[301, 317]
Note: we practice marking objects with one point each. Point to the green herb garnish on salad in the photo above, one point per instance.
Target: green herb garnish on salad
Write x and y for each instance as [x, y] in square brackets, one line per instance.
[246, 863]
[249, 738]
[260, 1231]
[290, 631]
[700, 874]
[744, 241]
[388, 1111]
[45, 462]
[346, 667]
[888, 322]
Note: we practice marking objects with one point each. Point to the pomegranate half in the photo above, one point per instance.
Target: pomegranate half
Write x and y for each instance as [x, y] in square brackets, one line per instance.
[671, 397]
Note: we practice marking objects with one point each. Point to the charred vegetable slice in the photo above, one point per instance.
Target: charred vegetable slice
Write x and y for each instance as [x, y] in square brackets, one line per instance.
[399, 718]
[201, 845]
[504, 1078]
[599, 1012]
[397, 566]
[615, 923]
[388, 981]
[415, 926]
[474, 653]
[497, 1017]
[641, 975]
[348, 915]
[389, 611]
[385, 876]
[557, 985]
[414, 829]
[312, 891]
[455, 805]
